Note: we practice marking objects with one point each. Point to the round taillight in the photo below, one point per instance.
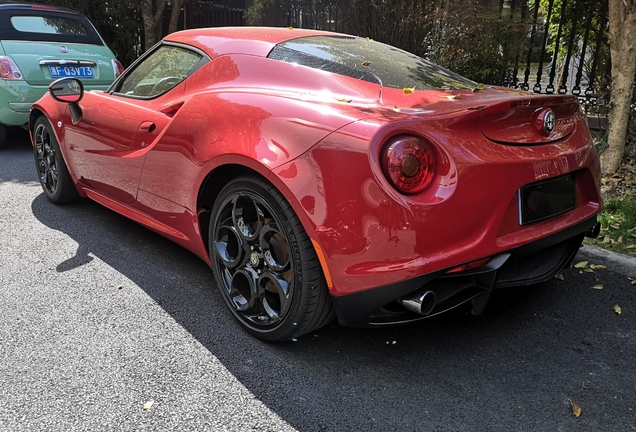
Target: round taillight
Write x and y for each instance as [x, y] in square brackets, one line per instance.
[409, 164]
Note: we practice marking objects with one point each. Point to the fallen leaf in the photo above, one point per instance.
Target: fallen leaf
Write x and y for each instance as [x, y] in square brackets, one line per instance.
[480, 86]
[559, 276]
[620, 239]
[576, 410]
[344, 100]
[452, 97]
[606, 239]
[633, 281]
[408, 90]
[581, 264]
[631, 246]
[588, 270]
[397, 109]
[618, 309]
[366, 63]
[598, 286]
[290, 28]
[148, 405]
[598, 266]
[615, 226]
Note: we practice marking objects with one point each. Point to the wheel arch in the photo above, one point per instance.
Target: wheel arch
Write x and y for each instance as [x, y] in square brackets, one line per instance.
[216, 180]
[212, 185]
[34, 114]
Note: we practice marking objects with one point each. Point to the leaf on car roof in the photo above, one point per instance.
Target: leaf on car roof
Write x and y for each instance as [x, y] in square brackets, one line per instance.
[148, 405]
[451, 97]
[618, 309]
[290, 28]
[397, 109]
[559, 276]
[408, 90]
[366, 63]
[344, 100]
[576, 410]
[480, 86]
[581, 264]
[598, 286]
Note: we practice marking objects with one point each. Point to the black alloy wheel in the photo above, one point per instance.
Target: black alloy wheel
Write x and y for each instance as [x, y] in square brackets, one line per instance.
[265, 264]
[52, 171]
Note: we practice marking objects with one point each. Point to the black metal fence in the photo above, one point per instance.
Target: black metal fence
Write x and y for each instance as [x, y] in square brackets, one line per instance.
[545, 46]
[217, 13]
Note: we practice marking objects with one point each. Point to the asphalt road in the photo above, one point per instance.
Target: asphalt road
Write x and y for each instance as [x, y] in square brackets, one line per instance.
[99, 316]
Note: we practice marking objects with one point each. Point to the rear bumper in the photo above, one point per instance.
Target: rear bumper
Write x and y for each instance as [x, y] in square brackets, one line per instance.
[531, 263]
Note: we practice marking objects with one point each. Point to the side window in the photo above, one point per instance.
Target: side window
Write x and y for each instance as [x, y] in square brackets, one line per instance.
[159, 72]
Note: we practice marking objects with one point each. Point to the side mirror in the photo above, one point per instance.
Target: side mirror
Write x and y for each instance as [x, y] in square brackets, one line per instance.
[70, 91]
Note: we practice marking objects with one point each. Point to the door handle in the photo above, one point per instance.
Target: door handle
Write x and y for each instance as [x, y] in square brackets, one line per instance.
[147, 127]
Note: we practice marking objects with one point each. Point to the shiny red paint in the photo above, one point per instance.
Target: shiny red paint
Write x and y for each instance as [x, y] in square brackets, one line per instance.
[318, 137]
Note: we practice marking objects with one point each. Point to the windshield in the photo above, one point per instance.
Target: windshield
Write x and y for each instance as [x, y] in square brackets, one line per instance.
[370, 61]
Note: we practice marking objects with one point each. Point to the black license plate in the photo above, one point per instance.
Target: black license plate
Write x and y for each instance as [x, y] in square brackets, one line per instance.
[547, 199]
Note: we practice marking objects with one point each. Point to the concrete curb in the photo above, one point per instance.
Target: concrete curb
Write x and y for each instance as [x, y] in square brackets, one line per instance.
[614, 261]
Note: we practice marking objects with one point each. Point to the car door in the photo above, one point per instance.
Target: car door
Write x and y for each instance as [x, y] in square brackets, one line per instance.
[108, 145]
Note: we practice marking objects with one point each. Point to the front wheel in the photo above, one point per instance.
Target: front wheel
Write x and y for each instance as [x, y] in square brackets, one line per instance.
[55, 180]
[265, 264]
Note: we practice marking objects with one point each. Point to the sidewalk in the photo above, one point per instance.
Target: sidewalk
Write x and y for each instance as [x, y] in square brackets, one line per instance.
[614, 261]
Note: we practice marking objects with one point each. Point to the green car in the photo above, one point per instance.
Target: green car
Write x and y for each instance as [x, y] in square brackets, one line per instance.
[39, 44]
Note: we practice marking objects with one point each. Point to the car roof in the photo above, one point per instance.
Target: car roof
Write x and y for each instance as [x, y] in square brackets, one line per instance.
[259, 41]
[5, 5]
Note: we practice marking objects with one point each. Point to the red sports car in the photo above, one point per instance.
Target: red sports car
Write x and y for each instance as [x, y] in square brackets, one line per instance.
[322, 174]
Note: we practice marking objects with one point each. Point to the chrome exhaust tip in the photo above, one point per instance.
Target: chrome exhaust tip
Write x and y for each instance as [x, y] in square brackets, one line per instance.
[594, 231]
[420, 302]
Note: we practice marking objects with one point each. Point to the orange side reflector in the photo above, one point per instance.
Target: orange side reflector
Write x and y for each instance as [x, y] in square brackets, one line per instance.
[470, 266]
[323, 263]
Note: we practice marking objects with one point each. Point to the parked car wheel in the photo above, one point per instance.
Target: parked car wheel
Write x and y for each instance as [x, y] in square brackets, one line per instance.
[54, 177]
[3, 135]
[265, 264]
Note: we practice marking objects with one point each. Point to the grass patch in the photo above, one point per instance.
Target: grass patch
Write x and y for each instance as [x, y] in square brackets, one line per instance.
[618, 225]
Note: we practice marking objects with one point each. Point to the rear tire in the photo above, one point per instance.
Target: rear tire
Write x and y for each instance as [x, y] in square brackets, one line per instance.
[55, 180]
[265, 264]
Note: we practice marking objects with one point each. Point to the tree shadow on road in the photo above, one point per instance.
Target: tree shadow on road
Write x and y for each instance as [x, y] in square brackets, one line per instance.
[17, 154]
[522, 361]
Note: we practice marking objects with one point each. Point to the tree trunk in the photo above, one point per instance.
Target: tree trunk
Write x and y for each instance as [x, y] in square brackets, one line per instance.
[622, 37]
[152, 21]
[175, 13]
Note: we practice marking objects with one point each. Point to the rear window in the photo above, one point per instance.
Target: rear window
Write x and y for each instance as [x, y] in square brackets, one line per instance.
[368, 60]
[48, 25]
[30, 24]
